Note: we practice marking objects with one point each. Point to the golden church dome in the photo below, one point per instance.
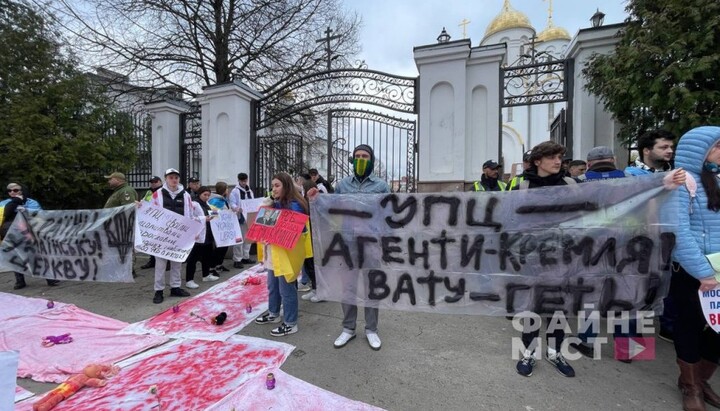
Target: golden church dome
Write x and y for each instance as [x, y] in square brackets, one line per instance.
[509, 18]
[552, 32]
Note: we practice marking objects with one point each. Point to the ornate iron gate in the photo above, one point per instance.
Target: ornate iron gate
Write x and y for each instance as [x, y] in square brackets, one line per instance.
[540, 79]
[190, 144]
[313, 108]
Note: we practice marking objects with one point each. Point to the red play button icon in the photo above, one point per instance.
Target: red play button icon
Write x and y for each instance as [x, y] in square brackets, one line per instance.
[635, 348]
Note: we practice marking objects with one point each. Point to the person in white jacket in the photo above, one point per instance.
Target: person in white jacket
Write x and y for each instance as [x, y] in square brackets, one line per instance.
[172, 196]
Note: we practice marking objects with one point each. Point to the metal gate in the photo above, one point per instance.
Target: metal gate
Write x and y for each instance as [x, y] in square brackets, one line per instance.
[324, 115]
[539, 78]
[190, 145]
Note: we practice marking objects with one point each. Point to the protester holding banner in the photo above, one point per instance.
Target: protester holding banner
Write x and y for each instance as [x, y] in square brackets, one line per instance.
[283, 265]
[172, 197]
[545, 170]
[16, 203]
[696, 345]
[203, 249]
[220, 200]
[242, 191]
[362, 181]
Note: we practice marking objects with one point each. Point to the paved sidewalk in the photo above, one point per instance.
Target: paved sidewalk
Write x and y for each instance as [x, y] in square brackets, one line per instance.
[427, 361]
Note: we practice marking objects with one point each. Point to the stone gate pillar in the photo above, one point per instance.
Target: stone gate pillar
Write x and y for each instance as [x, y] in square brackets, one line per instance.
[226, 131]
[165, 116]
[459, 113]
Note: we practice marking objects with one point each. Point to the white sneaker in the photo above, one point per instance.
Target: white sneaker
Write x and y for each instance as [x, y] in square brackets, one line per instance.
[308, 296]
[344, 338]
[304, 287]
[210, 278]
[373, 340]
[315, 299]
[191, 284]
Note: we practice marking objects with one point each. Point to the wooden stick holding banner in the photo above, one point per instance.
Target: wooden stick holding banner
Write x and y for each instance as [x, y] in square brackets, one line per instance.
[278, 226]
[226, 229]
[165, 234]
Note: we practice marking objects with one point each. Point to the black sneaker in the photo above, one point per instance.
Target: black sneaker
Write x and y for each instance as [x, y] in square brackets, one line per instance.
[237, 264]
[283, 330]
[158, 298]
[267, 318]
[221, 268]
[53, 283]
[247, 261]
[666, 335]
[584, 349]
[525, 366]
[561, 365]
[179, 292]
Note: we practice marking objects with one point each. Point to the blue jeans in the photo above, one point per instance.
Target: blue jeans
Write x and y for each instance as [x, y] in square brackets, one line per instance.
[281, 291]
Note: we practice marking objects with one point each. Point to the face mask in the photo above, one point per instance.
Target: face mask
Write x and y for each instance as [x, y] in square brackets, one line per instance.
[362, 167]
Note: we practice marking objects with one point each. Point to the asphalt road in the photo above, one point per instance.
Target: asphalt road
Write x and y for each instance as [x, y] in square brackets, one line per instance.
[427, 361]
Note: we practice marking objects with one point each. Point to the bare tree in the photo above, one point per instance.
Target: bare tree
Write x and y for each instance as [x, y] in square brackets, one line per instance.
[189, 44]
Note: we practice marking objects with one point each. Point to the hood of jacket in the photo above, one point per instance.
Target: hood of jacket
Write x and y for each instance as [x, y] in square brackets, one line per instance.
[694, 146]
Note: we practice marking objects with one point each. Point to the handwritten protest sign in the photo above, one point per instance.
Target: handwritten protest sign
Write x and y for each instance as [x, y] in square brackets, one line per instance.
[277, 226]
[710, 303]
[497, 253]
[226, 229]
[165, 234]
[79, 245]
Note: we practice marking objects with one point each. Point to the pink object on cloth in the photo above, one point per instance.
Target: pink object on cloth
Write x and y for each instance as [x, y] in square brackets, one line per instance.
[231, 296]
[19, 306]
[95, 341]
[187, 374]
[290, 393]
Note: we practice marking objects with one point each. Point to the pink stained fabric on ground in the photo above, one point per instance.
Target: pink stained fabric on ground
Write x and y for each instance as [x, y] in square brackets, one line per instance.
[19, 306]
[290, 393]
[188, 374]
[231, 297]
[95, 340]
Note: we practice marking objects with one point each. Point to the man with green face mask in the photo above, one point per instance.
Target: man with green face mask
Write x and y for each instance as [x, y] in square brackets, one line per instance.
[362, 181]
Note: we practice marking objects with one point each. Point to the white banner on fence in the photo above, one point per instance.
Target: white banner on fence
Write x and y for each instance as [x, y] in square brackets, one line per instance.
[497, 253]
[79, 245]
[226, 229]
[165, 234]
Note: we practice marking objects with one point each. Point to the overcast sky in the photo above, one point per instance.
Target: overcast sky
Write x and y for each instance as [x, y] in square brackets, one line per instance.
[391, 28]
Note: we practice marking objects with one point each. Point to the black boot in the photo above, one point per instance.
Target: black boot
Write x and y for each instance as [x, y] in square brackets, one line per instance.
[19, 281]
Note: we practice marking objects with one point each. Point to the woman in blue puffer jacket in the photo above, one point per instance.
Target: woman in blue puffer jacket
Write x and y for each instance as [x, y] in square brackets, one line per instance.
[697, 347]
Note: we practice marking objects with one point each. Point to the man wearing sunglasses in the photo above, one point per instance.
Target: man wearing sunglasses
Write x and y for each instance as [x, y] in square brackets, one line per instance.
[10, 207]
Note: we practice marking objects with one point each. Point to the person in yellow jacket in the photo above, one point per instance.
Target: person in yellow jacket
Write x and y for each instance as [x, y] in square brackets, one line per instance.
[490, 180]
[283, 265]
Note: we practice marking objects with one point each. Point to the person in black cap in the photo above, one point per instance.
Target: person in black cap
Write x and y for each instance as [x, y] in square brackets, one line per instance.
[155, 184]
[173, 197]
[514, 183]
[489, 180]
[194, 188]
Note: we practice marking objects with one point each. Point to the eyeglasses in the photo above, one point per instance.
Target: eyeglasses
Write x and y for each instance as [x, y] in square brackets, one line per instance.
[14, 190]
